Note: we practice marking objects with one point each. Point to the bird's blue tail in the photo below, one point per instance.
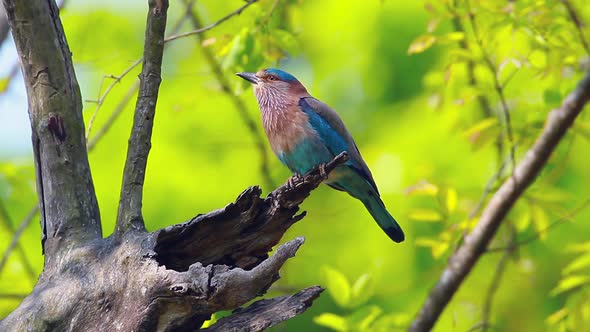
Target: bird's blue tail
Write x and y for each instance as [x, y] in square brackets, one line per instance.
[387, 223]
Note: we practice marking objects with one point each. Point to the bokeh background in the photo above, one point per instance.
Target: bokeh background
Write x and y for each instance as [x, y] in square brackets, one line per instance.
[400, 74]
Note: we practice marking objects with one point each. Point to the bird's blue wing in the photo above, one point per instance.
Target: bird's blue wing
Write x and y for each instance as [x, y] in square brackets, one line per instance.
[336, 137]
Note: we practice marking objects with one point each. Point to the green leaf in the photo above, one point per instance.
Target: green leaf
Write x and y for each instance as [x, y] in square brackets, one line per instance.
[578, 247]
[437, 247]
[285, 41]
[579, 263]
[480, 126]
[231, 58]
[362, 319]
[421, 44]
[552, 97]
[337, 285]
[557, 316]
[362, 290]
[570, 283]
[523, 220]
[452, 37]
[332, 321]
[423, 187]
[451, 200]
[426, 215]
[540, 221]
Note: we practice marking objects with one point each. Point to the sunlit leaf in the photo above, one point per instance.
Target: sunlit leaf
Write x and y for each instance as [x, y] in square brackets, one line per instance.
[523, 220]
[570, 283]
[578, 247]
[426, 215]
[421, 44]
[579, 263]
[557, 316]
[362, 289]
[362, 319]
[452, 37]
[422, 188]
[480, 126]
[540, 220]
[332, 321]
[438, 247]
[337, 285]
[451, 200]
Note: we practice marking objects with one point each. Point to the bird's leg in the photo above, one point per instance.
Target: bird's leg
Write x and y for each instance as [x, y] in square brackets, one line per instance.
[295, 180]
[322, 169]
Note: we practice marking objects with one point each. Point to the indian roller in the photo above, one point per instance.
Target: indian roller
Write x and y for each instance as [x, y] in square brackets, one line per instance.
[305, 133]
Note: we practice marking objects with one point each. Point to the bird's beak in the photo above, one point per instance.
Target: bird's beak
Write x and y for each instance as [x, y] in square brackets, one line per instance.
[250, 77]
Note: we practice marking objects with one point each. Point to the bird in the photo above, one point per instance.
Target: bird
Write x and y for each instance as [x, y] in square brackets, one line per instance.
[305, 133]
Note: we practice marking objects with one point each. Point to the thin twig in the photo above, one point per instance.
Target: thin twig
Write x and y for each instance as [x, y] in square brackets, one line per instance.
[118, 78]
[17, 234]
[476, 242]
[25, 261]
[212, 25]
[12, 296]
[538, 233]
[578, 23]
[497, 278]
[100, 101]
[113, 117]
[497, 85]
[488, 189]
[238, 103]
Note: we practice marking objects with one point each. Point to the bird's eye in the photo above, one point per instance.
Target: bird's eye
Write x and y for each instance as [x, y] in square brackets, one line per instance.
[272, 78]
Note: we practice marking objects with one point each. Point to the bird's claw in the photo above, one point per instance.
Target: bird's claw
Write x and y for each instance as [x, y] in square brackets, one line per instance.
[295, 180]
[322, 169]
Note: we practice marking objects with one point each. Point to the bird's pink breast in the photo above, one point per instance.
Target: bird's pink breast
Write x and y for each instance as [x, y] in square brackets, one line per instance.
[286, 128]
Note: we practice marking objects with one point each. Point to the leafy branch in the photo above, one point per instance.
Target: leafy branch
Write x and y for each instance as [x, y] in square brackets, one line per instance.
[464, 259]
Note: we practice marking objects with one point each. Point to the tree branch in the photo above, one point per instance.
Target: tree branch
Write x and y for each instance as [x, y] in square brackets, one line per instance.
[212, 25]
[505, 111]
[69, 210]
[266, 313]
[577, 23]
[129, 216]
[139, 287]
[496, 279]
[464, 259]
[241, 243]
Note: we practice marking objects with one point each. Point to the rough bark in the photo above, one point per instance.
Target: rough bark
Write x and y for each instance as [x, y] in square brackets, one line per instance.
[69, 210]
[266, 313]
[140, 285]
[476, 242]
[4, 28]
[129, 215]
[170, 280]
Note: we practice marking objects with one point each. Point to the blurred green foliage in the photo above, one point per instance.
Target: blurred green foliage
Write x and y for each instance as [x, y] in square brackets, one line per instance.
[424, 94]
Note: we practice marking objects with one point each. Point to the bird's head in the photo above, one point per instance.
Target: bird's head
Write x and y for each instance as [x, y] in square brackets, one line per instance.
[274, 87]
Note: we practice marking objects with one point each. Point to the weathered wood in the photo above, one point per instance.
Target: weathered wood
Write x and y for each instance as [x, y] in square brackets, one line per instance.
[266, 313]
[69, 209]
